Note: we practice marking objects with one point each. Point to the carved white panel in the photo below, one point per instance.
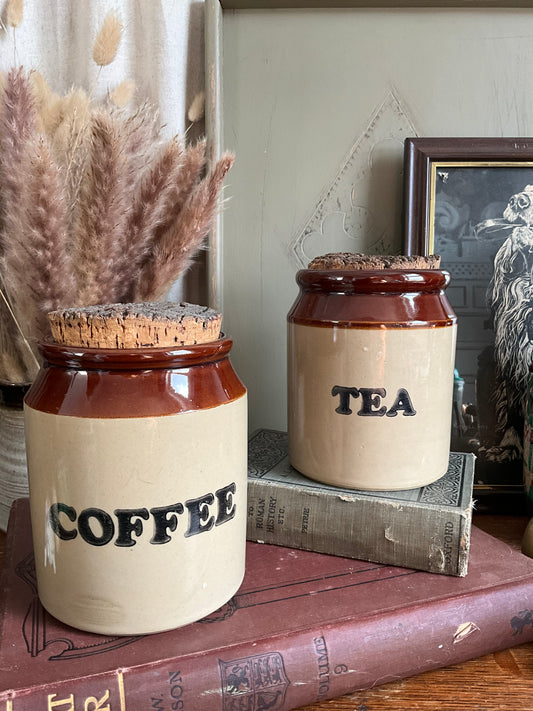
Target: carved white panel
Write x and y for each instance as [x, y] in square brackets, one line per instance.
[350, 216]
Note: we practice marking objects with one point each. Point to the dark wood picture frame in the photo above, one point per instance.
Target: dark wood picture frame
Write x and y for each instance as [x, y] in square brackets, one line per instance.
[422, 153]
[456, 193]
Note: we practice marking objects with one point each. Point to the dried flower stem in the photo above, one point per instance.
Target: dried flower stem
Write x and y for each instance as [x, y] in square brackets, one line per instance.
[30, 270]
[184, 185]
[104, 52]
[95, 206]
[17, 130]
[149, 208]
[175, 248]
[102, 209]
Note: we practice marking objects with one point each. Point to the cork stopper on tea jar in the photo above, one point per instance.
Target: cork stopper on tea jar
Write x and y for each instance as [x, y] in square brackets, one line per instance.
[140, 325]
[356, 261]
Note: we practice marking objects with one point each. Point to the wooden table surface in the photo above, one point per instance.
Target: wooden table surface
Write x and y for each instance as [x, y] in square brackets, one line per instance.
[502, 681]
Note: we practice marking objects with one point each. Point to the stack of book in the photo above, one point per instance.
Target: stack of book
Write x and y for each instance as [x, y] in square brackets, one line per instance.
[303, 627]
[344, 599]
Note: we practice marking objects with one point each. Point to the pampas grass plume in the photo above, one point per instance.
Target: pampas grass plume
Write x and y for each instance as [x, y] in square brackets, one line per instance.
[14, 12]
[41, 89]
[74, 110]
[123, 93]
[102, 211]
[49, 105]
[71, 124]
[107, 40]
[175, 249]
[97, 205]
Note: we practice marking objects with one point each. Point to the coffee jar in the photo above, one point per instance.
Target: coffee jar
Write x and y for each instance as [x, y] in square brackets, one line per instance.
[370, 377]
[137, 475]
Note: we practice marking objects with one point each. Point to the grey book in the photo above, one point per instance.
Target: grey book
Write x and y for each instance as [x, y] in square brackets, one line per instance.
[427, 528]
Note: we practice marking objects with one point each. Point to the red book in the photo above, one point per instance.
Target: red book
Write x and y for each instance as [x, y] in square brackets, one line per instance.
[303, 627]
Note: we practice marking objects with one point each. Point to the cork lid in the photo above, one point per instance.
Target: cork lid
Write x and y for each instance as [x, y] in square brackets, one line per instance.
[140, 325]
[357, 261]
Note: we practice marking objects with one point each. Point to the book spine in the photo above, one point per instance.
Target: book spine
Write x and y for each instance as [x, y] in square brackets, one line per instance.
[288, 671]
[391, 532]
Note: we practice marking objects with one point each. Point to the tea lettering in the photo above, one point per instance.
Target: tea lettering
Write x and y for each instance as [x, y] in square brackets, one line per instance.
[370, 403]
[98, 527]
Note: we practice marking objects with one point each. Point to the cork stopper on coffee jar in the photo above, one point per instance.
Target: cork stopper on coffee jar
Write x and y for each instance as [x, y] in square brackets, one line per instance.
[354, 260]
[140, 325]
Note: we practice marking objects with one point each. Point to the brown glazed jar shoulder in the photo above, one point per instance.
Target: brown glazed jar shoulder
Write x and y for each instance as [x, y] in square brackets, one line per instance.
[147, 382]
[372, 299]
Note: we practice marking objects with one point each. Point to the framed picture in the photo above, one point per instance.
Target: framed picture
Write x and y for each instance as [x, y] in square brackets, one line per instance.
[471, 201]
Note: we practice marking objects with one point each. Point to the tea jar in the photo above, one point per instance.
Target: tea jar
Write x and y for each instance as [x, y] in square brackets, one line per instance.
[137, 475]
[370, 377]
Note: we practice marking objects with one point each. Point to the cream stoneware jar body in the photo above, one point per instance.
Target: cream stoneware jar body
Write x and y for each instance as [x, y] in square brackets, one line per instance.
[370, 377]
[137, 476]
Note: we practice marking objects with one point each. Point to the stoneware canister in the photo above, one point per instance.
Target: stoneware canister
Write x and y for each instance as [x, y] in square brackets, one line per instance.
[370, 377]
[137, 472]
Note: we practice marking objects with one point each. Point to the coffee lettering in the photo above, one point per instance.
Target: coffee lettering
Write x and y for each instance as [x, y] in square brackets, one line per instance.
[97, 527]
[127, 526]
[162, 522]
[199, 518]
[226, 504]
[371, 402]
[105, 522]
[57, 528]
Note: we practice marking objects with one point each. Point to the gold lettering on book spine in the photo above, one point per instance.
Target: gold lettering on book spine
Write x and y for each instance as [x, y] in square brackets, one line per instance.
[121, 691]
[61, 702]
[94, 704]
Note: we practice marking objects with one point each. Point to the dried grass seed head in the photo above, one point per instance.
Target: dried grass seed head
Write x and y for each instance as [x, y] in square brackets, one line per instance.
[197, 108]
[107, 40]
[123, 93]
[14, 12]
[74, 117]
[47, 103]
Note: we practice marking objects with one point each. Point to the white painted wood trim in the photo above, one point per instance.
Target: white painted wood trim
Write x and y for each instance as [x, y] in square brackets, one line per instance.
[214, 132]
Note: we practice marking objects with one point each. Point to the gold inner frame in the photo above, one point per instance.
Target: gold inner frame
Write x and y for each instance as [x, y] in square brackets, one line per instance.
[460, 164]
